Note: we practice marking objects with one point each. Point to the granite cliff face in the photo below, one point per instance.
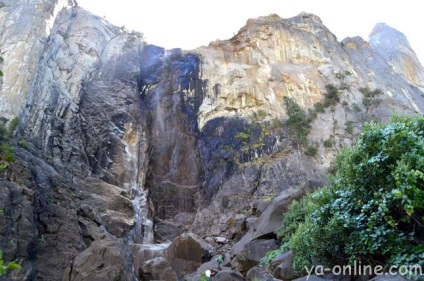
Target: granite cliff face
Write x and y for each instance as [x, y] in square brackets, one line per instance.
[130, 144]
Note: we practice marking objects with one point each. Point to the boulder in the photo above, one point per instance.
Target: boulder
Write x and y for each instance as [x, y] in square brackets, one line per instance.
[258, 273]
[282, 266]
[103, 260]
[187, 252]
[270, 220]
[226, 275]
[147, 252]
[156, 269]
[253, 252]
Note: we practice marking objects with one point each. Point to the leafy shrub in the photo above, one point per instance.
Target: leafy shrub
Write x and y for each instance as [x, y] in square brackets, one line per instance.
[356, 107]
[349, 127]
[294, 216]
[319, 107]
[13, 126]
[372, 210]
[23, 144]
[298, 122]
[260, 114]
[331, 96]
[242, 136]
[328, 143]
[6, 150]
[271, 255]
[311, 150]
[370, 97]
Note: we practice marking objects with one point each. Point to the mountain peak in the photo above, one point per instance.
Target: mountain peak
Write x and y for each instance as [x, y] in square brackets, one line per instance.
[394, 47]
[384, 34]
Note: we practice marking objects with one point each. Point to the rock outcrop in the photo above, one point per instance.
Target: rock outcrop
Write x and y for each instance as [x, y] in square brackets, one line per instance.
[130, 143]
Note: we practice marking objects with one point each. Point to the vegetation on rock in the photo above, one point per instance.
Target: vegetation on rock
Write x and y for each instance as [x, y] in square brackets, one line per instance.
[298, 122]
[10, 266]
[6, 150]
[372, 210]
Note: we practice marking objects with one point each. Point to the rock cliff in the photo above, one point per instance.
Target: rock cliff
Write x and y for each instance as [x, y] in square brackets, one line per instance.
[130, 144]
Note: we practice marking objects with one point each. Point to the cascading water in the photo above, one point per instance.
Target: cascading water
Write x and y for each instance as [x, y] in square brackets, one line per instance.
[142, 233]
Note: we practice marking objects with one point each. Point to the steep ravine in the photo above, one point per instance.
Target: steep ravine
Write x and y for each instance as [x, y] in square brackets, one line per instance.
[131, 146]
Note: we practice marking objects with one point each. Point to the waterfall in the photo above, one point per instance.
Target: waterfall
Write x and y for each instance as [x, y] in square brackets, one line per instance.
[142, 233]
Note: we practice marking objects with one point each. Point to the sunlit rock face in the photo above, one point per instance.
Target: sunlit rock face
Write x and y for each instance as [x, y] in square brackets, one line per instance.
[25, 26]
[394, 47]
[127, 140]
[268, 59]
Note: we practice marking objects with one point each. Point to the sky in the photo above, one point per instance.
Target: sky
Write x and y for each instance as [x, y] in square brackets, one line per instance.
[189, 24]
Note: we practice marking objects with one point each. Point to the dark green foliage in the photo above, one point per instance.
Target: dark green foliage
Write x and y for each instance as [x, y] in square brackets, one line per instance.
[23, 144]
[294, 216]
[6, 150]
[331, 96]
[356, 107]
[311, 150]
[319, 107]
[328, 143]
[13, 125]
[372, 211]
[370, 97]
[298, 122]
[349, 127]
[271, 255]
[3, 133]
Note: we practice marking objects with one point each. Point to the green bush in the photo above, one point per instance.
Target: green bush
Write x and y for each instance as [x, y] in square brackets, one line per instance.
[298, 122]
[356, 107]
[319, 107]
[294, 216]
[23, 144]
[3, 133]
[370, 97]
[260, 114]
[13, 126]
[331, 96]
[328, 143]
[372, 210]
[7, 152]
[349, 127]
[271, 255]
[311, 150]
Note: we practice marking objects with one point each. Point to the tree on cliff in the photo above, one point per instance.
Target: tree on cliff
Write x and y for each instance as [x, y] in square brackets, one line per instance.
[372, 210]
